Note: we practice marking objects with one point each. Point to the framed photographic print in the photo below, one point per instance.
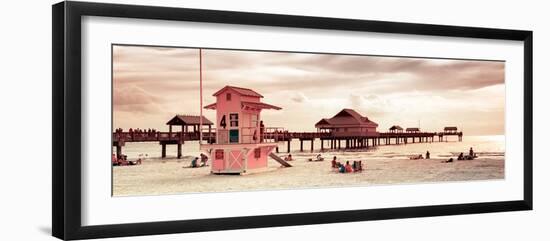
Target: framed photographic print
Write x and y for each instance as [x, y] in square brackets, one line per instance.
[170, 120]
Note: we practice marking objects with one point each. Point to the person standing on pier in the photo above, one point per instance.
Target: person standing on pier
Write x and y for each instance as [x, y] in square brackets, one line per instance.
[262, 128]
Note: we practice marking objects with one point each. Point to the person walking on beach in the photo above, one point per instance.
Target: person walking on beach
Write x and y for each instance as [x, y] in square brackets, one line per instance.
[427, 154]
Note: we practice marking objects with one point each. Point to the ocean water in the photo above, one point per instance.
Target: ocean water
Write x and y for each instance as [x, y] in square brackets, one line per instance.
[492, 147]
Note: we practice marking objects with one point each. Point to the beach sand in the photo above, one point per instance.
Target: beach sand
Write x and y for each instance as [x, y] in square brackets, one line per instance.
[172, 176]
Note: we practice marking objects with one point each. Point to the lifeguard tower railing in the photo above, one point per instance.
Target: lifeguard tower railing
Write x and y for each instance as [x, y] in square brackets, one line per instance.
[248, 135]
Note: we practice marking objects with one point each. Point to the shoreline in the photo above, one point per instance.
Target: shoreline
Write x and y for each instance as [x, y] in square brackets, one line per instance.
[170, 176]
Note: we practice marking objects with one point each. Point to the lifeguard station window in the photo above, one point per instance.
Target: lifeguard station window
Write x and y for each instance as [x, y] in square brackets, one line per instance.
[228, 96]
[233, 120]
[234, 136]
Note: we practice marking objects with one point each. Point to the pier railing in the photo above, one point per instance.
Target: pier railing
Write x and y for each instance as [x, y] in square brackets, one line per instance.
[274, 134]
[161, 136]
[270, 134]
[407, 134]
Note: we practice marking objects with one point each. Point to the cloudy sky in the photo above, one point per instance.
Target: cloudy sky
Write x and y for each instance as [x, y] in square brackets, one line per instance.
[152, 84]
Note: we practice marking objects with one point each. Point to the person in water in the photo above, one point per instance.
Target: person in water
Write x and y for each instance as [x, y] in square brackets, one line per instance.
[288, 158]
[318, 158]
[341, 168]
[137, 162]
[427, 154]
[348, 167]
[357, 166]
[334, 162]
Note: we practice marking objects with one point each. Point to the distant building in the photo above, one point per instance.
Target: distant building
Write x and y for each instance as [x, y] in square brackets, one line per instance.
[347, 123]
[450, 129]
[396, 129]
[412, 130]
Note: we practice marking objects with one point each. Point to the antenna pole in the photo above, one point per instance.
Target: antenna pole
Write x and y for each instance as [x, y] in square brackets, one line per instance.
[200, 90]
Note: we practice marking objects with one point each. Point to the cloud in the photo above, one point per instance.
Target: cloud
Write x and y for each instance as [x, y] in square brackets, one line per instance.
[371, 105]
[135, 99]
[299, 97]
[157, 80]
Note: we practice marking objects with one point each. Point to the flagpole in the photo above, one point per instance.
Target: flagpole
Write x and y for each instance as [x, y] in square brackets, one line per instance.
[200, 90]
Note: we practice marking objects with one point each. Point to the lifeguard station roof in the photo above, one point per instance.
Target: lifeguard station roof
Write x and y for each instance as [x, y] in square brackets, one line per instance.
[240, 90]
[251, 105]
[259, 105]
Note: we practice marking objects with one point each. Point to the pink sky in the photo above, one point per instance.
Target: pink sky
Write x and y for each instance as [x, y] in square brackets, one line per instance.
[152, 84]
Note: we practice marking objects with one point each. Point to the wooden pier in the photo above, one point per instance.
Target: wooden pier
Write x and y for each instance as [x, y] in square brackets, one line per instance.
[332, 142]
[328, 140]
[119, 139]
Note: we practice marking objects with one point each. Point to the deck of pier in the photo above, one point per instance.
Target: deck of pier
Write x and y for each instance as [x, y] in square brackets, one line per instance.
[332, 142]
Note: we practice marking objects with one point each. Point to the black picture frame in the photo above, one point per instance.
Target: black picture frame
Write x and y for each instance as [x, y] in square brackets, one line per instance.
[66, 127]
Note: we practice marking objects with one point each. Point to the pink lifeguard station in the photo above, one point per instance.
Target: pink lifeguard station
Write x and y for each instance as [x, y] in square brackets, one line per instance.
[240, 144]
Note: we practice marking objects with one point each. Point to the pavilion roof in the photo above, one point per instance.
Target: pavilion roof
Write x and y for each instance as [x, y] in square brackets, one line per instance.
[180, 120]
[347, 117]
[396, 127]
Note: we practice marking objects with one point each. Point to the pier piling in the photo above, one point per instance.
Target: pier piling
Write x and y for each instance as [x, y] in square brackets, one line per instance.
[179, 151]
[288, 146]
[118, 151]
[163, 153]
